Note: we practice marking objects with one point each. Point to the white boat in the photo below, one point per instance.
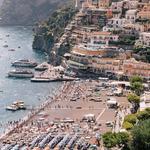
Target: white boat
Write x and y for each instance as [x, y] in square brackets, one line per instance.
[24, 63]
[21, 74]
[12, 107]
[40, 79]
[17, 105]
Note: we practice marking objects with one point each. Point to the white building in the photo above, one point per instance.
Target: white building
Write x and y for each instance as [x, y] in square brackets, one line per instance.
[145, 101]
[130, 4]
[144, 39]
[131, 15]
[117, 6]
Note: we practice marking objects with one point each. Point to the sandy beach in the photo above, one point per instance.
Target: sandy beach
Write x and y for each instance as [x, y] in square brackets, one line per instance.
[64, 113]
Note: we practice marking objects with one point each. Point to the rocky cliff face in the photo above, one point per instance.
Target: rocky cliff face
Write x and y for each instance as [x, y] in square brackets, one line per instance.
[27, 12]
[49, 31]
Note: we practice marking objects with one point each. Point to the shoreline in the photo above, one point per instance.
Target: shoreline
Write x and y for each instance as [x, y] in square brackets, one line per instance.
[33, 113]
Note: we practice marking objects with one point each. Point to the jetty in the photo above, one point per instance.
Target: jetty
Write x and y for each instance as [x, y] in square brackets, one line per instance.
[51, 74]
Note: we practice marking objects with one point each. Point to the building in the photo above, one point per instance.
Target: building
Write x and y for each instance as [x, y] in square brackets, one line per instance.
[145, 101]
[144, 39]
[106, 65]
[116, 22]
[145, 12]
[132, 67]
[131, 15]
[130, 4]
[104, 3]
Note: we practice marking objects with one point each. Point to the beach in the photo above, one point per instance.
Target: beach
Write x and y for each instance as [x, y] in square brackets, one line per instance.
[65, 113]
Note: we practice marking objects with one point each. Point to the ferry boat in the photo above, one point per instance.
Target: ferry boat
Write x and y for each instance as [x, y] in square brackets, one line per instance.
[21, 74]
[17, 105]
[24, 63]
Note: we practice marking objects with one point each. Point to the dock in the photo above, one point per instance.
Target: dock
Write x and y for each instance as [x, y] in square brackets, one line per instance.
[51, 74]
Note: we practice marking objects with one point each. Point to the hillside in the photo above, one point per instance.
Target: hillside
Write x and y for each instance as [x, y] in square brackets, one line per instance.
[1, 1]
[27, 12]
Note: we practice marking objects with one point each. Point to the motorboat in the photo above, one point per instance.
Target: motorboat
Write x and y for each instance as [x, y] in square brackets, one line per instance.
[21, 73]
[17, 105]
[24, 63]
[12, 107]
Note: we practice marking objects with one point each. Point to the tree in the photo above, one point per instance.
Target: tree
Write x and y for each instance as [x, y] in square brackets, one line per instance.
[123, 139]
[143, 115]
[137, 87]
[136, 84]
[109, 140]
[134, 100]
[136, 79]
[120, 139]
[141, 136]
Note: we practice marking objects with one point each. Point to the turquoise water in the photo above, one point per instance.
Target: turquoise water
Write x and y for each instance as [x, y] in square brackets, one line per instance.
[11, 89]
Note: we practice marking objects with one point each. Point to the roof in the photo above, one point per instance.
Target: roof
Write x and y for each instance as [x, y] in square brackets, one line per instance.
[111, 102]
[131, 12]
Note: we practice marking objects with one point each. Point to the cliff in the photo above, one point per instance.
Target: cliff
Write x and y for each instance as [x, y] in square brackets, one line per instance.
[27, 12]
[49, 31]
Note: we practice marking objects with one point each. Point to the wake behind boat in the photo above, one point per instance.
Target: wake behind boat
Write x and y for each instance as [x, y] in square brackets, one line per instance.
[24, 63]
[21, 73]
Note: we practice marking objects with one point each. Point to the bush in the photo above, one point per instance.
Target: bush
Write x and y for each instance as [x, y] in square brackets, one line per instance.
[133, 98]
[127, 125]
[143, 115]
[131, 119]
[120, 139]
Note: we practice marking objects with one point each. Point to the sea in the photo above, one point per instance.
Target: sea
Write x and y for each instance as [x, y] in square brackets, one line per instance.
[20, 39]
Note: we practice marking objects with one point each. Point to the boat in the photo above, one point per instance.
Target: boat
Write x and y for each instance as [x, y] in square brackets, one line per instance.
[21, 74]
[11, 49]
[40, 79]
[5, 46]
[12, 107]
[41, 67]
[24, 63]
[17, 105]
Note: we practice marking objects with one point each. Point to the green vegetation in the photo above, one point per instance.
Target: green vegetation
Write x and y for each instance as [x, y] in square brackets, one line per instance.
[141, 136]
[127, 125]
[134, 100]
[143, 52]
[136, 84]
[143, 115]
[136, 79]
[49, 32]
[116, 139]
[124, 40]
[131, 120]
[137, 137]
